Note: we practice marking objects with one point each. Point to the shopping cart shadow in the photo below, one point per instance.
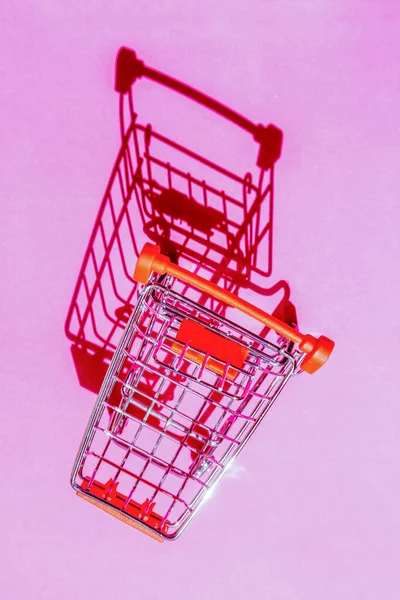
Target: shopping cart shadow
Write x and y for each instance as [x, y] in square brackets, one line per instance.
[217, 223]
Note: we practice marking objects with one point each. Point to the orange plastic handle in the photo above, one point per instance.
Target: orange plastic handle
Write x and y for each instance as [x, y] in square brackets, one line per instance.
[317, 350]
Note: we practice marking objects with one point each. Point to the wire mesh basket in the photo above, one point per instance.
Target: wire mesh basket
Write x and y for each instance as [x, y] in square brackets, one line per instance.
[185, 390]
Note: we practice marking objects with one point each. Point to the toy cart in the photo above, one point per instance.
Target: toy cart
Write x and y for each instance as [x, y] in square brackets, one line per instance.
[185, 390]
[209, 219]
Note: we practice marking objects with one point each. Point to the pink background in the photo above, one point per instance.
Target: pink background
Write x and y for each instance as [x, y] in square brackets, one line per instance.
[311, 507]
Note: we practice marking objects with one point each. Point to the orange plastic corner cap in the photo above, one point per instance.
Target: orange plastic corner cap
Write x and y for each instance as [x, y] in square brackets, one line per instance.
[318, 356]
[150, 260]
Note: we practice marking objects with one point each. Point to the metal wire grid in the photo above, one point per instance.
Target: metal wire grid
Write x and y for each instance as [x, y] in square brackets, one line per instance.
[164, 428]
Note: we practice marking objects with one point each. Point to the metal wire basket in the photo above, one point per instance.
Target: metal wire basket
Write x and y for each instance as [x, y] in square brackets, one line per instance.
[185, 390]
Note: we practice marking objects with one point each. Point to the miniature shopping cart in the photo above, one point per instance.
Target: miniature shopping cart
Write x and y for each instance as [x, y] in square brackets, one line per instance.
[184, 392]
[214, 221]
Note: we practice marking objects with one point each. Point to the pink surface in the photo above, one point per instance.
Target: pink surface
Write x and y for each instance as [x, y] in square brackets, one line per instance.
[310, 509]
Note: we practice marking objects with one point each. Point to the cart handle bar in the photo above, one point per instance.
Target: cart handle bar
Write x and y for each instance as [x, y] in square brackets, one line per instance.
[129, 68]
[151, 260]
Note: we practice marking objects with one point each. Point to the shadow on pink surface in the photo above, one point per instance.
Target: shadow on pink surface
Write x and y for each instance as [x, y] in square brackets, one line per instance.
[213, 221]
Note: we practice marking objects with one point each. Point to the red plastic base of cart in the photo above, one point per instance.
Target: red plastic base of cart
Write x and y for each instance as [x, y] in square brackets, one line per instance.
[142, 512]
